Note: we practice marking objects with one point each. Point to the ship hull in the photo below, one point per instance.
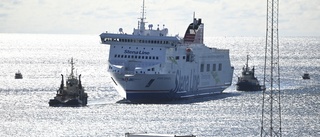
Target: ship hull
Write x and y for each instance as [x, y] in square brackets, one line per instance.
[67, 103]
[158, 88]
[248, 86]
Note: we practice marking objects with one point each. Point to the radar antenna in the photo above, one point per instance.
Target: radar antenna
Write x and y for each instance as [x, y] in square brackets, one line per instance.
[271, 107]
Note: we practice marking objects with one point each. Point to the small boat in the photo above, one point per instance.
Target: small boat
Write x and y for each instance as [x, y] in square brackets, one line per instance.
[247, 81]
[71, 95]
[18, 75]
[306, 76]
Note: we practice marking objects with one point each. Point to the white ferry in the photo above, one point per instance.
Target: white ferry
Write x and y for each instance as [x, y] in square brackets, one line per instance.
[150, 66]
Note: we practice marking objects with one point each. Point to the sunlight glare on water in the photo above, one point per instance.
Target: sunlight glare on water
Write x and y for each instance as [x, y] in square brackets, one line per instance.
[41, 58]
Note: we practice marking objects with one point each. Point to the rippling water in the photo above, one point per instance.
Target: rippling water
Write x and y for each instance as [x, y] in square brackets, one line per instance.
[41, 58]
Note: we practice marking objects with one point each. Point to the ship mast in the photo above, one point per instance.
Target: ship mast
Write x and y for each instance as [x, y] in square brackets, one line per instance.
[141, 24]
[247, 66]
[72, 68]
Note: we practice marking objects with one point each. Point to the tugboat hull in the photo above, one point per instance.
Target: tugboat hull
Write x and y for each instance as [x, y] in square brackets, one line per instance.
[248, 86]
[69, 103]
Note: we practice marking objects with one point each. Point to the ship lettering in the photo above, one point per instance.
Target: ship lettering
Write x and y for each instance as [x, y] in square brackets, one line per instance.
[144, 52]
[136, 52]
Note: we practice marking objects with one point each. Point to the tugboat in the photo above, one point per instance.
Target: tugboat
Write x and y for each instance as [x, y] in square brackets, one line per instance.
[306, 76]
[18, 75]
[71, 95]
[248, 82]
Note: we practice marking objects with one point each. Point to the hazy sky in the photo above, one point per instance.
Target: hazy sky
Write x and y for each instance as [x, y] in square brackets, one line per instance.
[221, 17]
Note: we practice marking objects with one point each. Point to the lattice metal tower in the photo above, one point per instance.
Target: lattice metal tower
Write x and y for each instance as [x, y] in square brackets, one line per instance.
[271, 107]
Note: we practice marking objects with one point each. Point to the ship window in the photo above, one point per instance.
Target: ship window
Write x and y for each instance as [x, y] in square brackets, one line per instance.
[152, 69]
[128, 56]
[201, 67]
[142, 57]
[160, 49]
[220, 67]
[149, 57]
[136, 47]
[153, 57]
[115, 55]
[148, 69]
[157, 58]
[121, 56]
[139, 57]
[177, 57]
[132, 56]
[214, 67]
[125, 56]
[151, 48]
[208, 67]
[118, 56]
[129, 47]
[135, 56]
[183, 57]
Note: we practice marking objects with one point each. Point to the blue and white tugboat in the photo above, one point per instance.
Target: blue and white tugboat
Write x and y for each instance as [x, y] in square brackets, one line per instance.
[247, 81]
[148, 66]
[72, 94]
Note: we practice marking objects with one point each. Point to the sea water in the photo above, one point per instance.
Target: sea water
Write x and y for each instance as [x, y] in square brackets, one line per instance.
[41, 58]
